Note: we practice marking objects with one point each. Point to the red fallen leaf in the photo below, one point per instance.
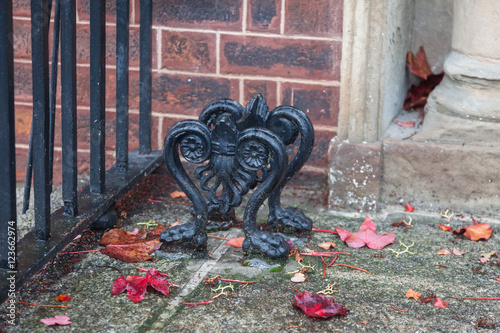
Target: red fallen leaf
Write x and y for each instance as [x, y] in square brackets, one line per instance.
[476, 231]
[409, 208]
[318, 306]
[236, 242]
[57, 320]
[63, 298]
[366, 236]
[418, 65]
[119, 236]
[458, 252]
[444, 227]
[136, 252]
[407, 124]
[416, 98]
[440, 303]
[136, 285]
[443, 252]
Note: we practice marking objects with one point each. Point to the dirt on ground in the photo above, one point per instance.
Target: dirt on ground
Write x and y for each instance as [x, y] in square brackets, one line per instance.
[371, 284]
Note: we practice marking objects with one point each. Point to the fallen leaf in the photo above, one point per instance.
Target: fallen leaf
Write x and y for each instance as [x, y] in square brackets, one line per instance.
[418, 65]
[484, 260]
[57, 320]
[176, 223]
[177, 194]
[327, 245]
[156, 231]
[440, 303]
[409, 208]
[129, 246]
[298, 278]
[236, 242]
[63, 298]
[366, 236]
[318, 306]
[444, 227]
[413, 294]
[136, 285]
[457, 252]
[489, 254]
[476, 232]
[417, 95]
[406, 124]
[443, 252]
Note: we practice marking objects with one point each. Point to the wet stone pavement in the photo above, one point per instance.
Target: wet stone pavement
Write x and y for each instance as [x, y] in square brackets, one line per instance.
[375, 297]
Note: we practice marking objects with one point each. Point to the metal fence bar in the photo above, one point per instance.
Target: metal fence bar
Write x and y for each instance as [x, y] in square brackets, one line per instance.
[97, 95]
[122, 53]
[145, 77]
[40, 71]
[68, 106]
[8, 225]
[53, 85]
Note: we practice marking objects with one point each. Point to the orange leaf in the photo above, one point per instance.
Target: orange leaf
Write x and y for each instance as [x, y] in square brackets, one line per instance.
[157, 230]
[440, 303]
[412, 294]
[444, 227]
[443, 252]
[407, 124]
[177, 194]
[236, 242]
[176, 223]
[418, 65]
[327, 245]
[63, 298]
[478, 231]
[118, 236]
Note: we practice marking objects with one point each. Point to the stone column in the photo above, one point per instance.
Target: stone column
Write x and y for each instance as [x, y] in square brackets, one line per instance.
[465, 107]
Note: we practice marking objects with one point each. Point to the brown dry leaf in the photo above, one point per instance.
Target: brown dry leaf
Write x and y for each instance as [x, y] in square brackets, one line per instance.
[136, 252]
[327, 245]
[177, 194]
[418, 65]
[413, 294]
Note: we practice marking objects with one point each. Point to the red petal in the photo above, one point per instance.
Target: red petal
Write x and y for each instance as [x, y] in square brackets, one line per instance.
[63, 298]
[119, 286]
[158, 282]
[318, 306]
[236, 242]
[445, 227]
[137, 289]
[409, 208]
[440, 303]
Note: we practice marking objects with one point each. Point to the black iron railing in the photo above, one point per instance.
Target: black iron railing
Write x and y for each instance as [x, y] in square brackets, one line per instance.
[52, 232]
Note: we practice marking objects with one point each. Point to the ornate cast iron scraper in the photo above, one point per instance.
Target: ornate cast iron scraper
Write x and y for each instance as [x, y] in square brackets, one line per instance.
[242, 147]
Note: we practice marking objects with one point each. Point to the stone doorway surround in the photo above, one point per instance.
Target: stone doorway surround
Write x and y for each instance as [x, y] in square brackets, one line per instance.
[451, 161]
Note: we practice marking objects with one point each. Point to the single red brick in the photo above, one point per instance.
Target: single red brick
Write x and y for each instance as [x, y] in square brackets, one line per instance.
[21, 8]
[319, 60]
[22, 39]
[23, 84]
[320, 103]
[83, 45]
[264, 15]
[188, 95]
[23, 118]
[188, 51]
[210, 14]
[314, 17]
[266, 88]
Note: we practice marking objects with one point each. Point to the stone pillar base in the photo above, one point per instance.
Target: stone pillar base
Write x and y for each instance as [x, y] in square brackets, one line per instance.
[430, 176]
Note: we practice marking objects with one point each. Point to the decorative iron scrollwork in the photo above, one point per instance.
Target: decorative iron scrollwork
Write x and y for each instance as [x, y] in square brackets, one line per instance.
[242, 147]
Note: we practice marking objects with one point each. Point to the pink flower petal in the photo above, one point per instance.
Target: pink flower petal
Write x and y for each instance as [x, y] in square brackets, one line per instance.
[457, 252]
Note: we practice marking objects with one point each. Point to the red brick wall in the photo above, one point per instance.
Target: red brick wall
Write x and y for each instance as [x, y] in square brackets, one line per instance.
[287, 50]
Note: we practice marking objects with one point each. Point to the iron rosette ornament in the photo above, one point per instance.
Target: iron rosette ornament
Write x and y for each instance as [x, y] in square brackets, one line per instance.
[240, 148]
